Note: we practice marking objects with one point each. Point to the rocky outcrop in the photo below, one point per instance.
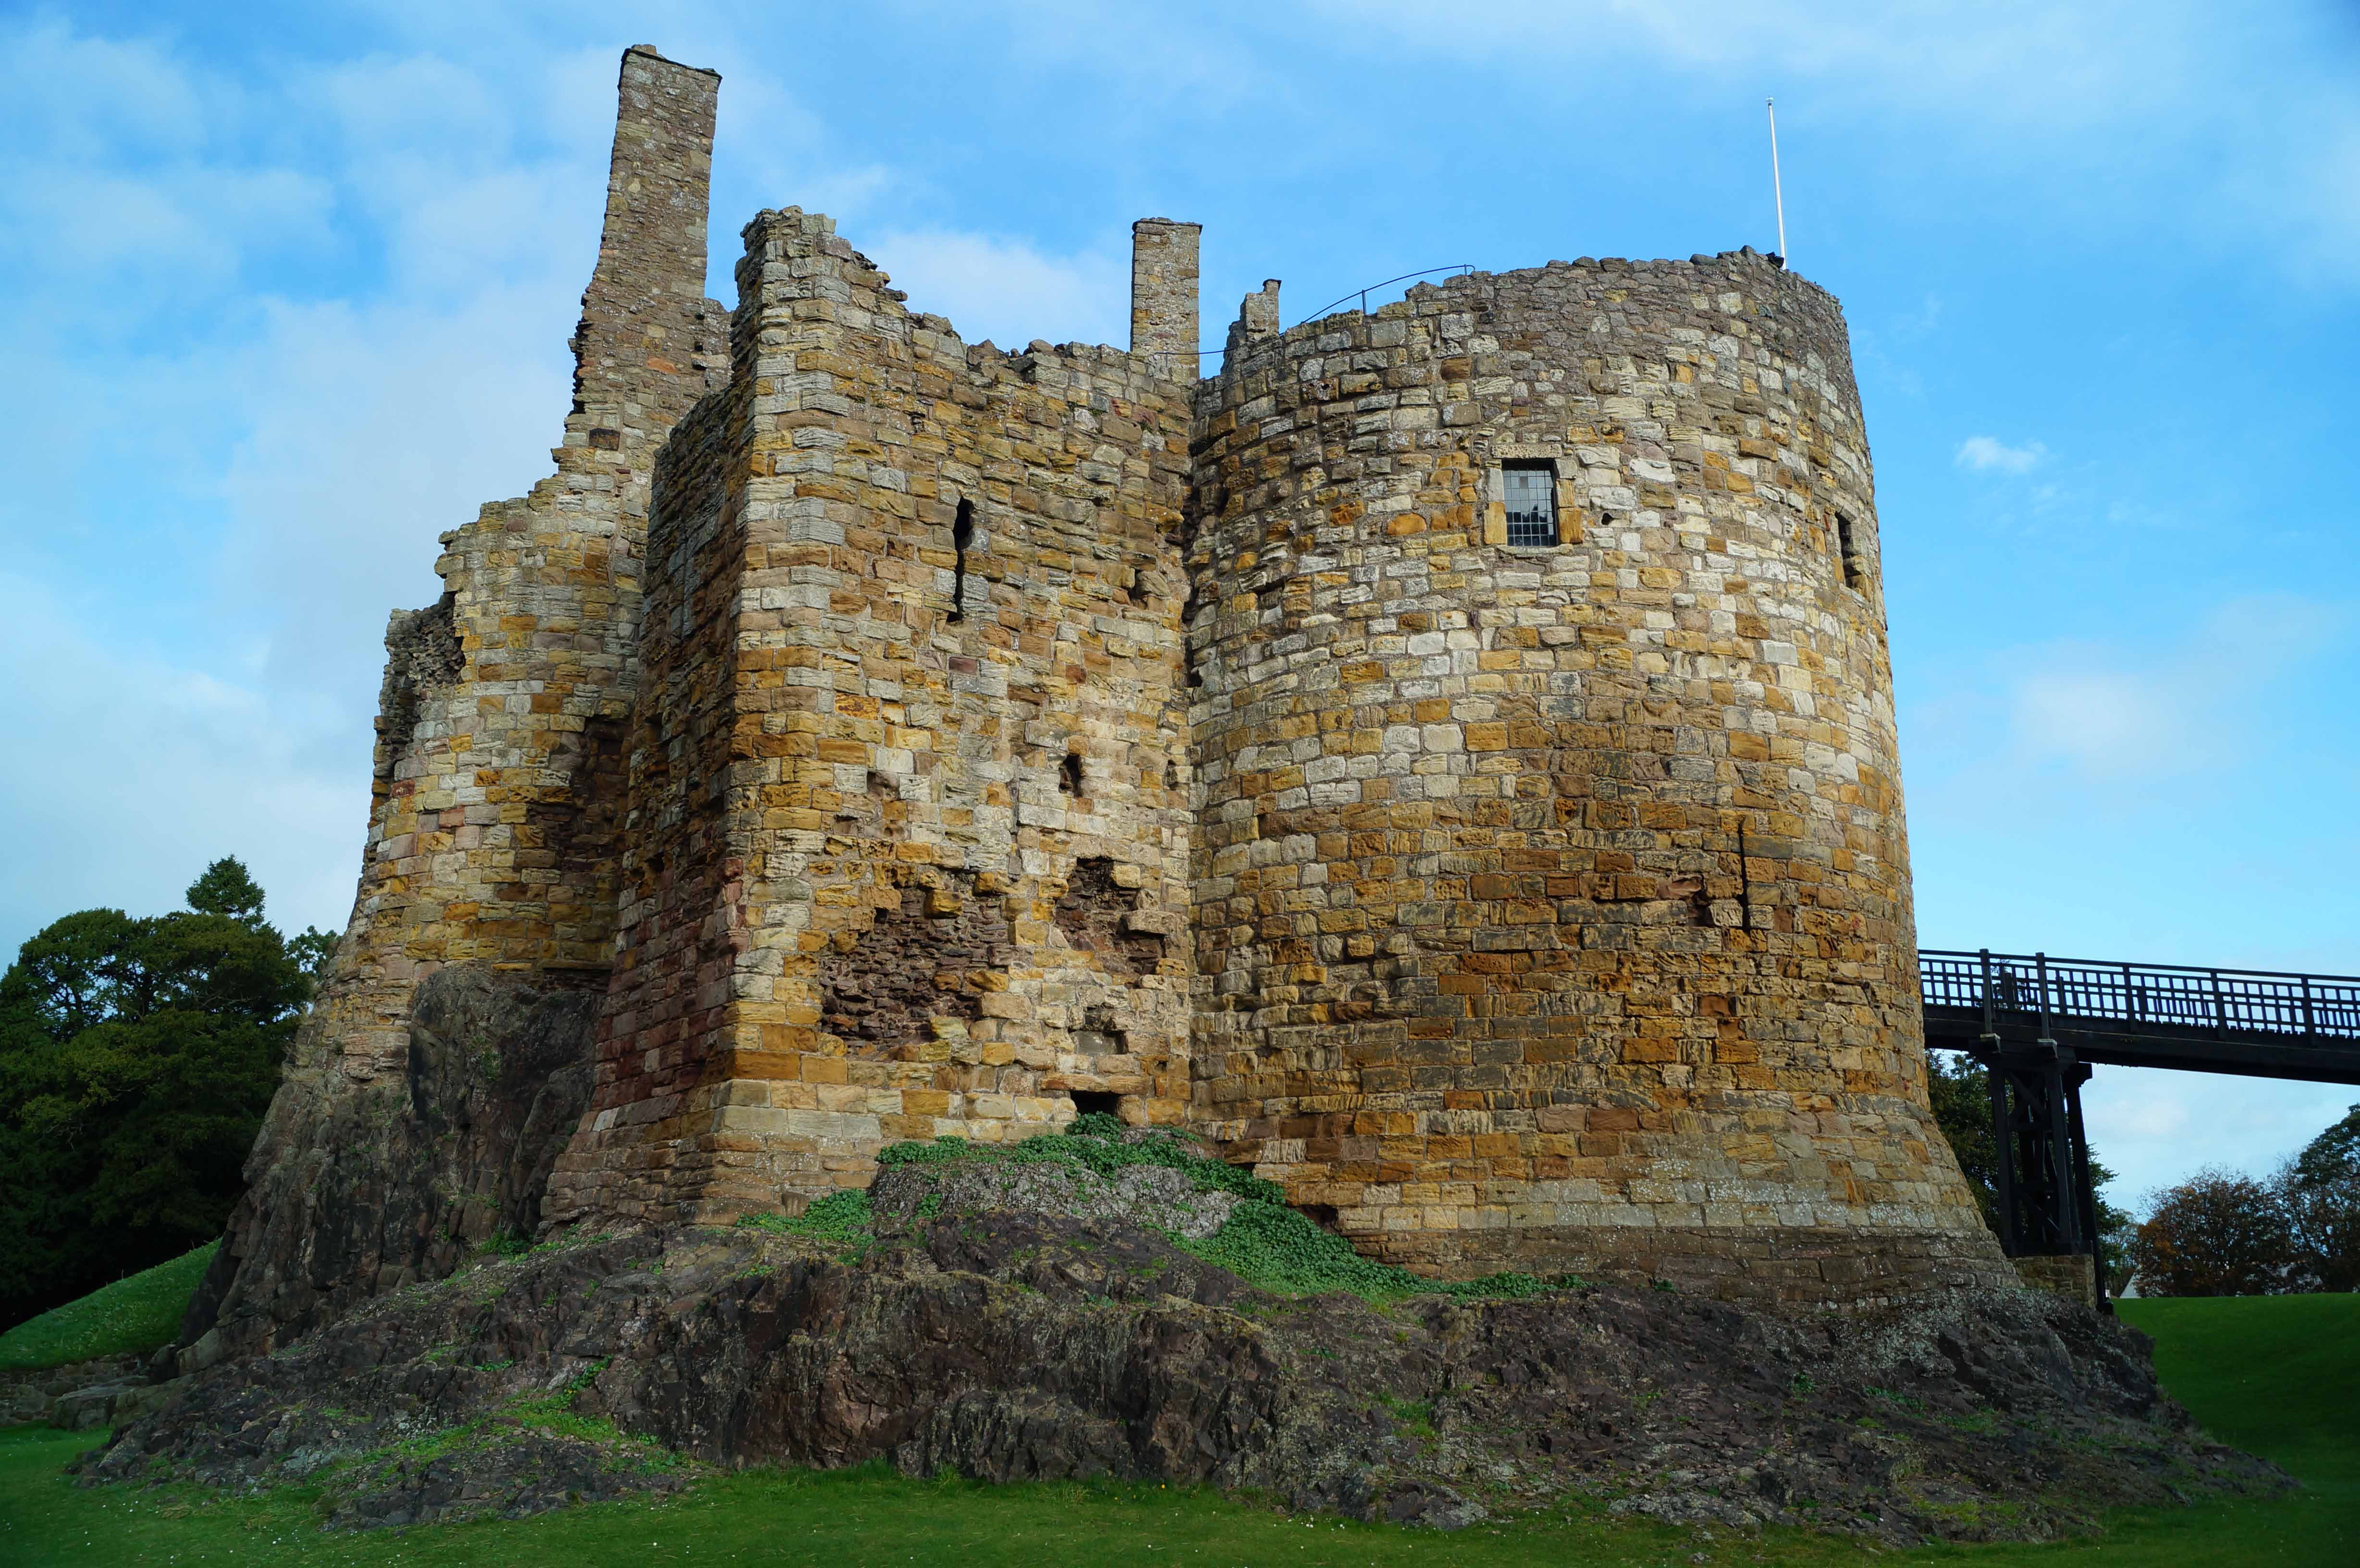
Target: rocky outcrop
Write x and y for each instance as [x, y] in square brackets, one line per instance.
[354, 1188]
[1014, 1345]
[32, 1395]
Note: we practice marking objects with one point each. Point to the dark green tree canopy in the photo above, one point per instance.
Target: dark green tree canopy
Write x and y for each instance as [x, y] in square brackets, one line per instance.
[137, 1057]
[226, 890]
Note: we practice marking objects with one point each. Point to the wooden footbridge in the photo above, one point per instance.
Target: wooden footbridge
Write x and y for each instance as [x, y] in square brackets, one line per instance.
[2039, 1023]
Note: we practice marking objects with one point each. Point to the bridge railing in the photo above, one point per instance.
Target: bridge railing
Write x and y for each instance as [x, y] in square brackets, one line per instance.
[2144, 996]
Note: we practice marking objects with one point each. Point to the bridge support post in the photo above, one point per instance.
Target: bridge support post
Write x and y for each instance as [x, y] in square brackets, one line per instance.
[2048, 1207]
[2250, 1022]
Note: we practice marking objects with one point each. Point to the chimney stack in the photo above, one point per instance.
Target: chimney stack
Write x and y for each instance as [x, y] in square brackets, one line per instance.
[1163, 295]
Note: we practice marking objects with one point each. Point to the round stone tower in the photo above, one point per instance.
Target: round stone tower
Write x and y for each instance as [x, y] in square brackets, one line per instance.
[1552, 892]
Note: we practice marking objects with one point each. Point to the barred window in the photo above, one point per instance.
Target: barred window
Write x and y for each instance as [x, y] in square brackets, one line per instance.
[1530, 497]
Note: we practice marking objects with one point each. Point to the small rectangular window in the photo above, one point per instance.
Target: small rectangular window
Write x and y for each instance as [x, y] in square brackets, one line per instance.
[1849, 550]
[1531, 498]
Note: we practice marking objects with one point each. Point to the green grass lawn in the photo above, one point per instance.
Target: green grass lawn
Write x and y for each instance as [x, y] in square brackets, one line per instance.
[2276, 1375]
[135, 1315]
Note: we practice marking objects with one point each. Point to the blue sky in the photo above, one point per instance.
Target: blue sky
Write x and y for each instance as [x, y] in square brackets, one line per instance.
[291, 287]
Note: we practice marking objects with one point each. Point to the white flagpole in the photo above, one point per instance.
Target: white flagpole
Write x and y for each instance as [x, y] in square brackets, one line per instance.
[1778, 192]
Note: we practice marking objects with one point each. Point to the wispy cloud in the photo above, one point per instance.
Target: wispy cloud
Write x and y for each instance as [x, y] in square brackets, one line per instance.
[323, 315]
[2106, 712]
[2125, 103]
[2151, 1128]
[170, 768]
[1985, 453]
[1008, 290]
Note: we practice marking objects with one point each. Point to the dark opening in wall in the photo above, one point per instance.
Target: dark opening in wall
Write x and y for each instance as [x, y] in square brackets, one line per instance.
[962, 532]
[925, 960]
[1069, 774]
[1099, 915]
[1095, 1102]
[1529, 489]
[1321, 1214]
[1188, 635]
[1848, 550]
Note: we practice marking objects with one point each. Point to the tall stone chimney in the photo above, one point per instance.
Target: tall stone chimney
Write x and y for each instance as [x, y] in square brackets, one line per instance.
[1164, 294]
[645, 340]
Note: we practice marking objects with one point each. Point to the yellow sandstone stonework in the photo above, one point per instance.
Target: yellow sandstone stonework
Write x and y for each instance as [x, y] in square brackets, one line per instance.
[908, 737]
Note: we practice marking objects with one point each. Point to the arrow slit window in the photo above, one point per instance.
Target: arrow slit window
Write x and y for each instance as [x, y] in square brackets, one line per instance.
[1848, 550]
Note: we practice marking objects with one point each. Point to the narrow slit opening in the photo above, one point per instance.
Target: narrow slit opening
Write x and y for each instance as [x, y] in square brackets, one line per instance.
[962, 532]
[1193, 677]
[1069, 774]
[1848, 550]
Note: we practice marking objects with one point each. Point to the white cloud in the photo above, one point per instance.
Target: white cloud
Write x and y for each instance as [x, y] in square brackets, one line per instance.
[2129, 108]
[1984, 454]
[2110, 712]
[194, 674]
[371, 428]
[1005, 290]
[2154, 1128]
[2103, 721]
[126, 773]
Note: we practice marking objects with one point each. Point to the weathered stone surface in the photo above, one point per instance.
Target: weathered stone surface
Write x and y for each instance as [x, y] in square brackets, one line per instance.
[911, 678]
[1145, 1197]
[28, 1395]
[1014, 1345]
[2072, 1276]
[1552, 903]
[110, 1404]
[898, 737]
[1163, 295]
[356, 1189]
[507, 1470]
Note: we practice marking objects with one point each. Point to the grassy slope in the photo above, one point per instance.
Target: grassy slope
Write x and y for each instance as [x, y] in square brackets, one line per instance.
[2276, 1375]
[134, 1314]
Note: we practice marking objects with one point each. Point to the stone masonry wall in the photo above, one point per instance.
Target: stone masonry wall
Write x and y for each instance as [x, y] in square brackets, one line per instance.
[1008, 735]
[495, 822]
[908, 838]
[499, 740]
[1552, 904]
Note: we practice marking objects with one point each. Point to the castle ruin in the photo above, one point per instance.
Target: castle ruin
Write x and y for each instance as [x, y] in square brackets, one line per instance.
[1446, 758]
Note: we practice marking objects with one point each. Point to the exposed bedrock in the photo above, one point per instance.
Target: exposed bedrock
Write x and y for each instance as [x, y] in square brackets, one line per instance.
[1011, 1346]
[355, 1189]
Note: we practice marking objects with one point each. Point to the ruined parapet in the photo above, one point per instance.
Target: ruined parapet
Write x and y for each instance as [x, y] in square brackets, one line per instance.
[912, 852]
[1552, 889]
[1462, 782]
[493, 835]
[1163, 295]
[495, 822]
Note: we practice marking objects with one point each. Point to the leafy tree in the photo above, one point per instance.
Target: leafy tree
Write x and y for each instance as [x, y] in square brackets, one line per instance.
[2319, 1190]
[311, 948]
[137, 1058]
[2333, 1155]
[2216, 1234]
[1959, 1089]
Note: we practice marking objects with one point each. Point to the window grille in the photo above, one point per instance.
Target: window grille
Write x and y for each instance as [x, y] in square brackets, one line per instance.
[1530, 497]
